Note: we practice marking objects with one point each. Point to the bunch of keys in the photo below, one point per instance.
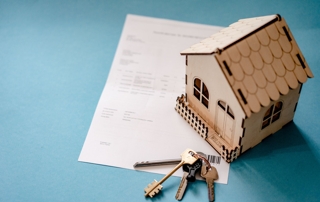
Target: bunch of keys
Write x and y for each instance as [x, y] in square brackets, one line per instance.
[192, 163]
[208, 172]
[187, 157]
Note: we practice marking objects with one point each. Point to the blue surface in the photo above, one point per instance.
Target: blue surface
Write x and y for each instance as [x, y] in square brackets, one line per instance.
[54, 60]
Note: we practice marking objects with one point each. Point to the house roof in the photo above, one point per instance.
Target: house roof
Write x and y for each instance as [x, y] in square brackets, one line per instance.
[260, 59]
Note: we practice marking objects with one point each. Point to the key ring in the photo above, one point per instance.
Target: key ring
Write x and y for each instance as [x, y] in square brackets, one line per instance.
[208, 166]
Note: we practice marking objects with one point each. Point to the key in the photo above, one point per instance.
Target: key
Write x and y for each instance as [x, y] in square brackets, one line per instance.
[182, 186]
[156, 163]
[161, 162]
[189, 175]
[210, 175]
[187, 157]
[192, 170]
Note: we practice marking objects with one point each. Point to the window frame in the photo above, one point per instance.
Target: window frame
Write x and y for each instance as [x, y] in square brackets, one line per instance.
[272, 114]
[201, 92]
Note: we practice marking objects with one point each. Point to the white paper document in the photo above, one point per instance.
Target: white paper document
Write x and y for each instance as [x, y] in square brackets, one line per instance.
[135, 118]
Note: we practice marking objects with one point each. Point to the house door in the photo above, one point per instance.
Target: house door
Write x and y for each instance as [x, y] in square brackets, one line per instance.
[224, 121]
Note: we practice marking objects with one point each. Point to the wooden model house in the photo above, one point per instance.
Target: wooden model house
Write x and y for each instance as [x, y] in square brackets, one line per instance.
[243, 84]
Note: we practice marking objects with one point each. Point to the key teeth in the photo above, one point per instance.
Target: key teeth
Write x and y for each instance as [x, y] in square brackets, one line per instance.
[155, 191]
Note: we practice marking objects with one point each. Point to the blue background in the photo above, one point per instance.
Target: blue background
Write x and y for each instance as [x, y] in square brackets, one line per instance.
[54, 61]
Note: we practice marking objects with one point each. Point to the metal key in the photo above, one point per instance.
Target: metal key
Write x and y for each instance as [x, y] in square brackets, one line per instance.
[156, 163]
[161, 162]
[187, 157]
[210, 175]
[189, 175]
[192, 170]
[182, 186]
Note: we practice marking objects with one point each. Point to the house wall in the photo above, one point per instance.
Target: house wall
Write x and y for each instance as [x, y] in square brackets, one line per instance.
[206, 68]
[253, 132]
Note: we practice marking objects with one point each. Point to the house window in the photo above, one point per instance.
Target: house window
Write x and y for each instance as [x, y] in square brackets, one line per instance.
[201, 92]
[272, 114]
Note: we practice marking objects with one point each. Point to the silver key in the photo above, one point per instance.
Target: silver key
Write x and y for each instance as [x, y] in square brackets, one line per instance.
[210, 175]
[189, 175]
[157, 163]
[182, 186]
[161, 162]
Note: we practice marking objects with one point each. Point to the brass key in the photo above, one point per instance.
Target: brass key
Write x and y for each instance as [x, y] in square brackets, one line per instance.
[187, 157]
[210, 176]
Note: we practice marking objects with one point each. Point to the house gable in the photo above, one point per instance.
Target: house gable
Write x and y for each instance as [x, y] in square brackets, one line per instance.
[207, 69]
